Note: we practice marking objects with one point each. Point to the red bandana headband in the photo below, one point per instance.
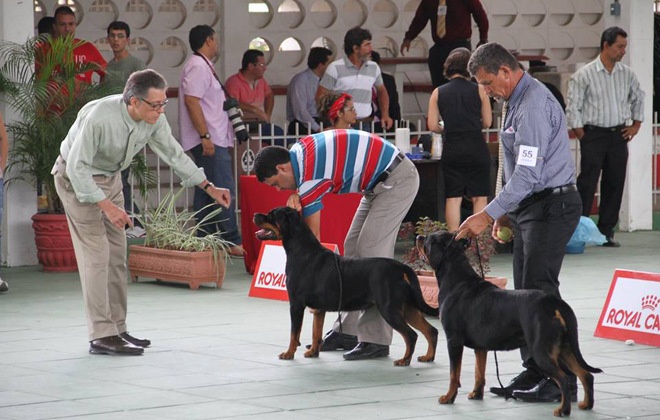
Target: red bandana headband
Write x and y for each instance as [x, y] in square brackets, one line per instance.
[338, 105]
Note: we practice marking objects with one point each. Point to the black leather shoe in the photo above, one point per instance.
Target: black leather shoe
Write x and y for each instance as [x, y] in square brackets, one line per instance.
[528, 379]
[337, 341]
[4, 287]
[611, 243]
[365, 351]
[115, 346]
[140, 342]
[545, 391]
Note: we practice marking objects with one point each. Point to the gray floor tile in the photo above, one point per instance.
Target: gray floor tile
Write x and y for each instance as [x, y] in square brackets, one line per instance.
[51, 410]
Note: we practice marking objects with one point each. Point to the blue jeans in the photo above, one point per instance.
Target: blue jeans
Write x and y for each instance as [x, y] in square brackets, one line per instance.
[253, 128]
[218, 171]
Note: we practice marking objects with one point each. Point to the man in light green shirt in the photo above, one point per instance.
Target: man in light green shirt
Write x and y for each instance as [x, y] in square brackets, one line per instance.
[102, 142]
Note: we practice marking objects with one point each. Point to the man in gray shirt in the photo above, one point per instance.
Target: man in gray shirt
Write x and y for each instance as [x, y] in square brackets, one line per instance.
[119, 69]
[539, 200]
[301, 111]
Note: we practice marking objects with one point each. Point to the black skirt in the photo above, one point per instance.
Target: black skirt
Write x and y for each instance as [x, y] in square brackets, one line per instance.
[466, 165]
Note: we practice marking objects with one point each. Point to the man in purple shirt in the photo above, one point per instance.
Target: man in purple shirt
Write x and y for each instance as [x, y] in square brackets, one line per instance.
[206, 130]
[539, 199]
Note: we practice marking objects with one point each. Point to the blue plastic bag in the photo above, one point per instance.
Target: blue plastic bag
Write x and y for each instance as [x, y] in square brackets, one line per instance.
[587, 232]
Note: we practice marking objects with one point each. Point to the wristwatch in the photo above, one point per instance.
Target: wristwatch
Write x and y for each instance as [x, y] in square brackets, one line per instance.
[205, 136]
[206, 187]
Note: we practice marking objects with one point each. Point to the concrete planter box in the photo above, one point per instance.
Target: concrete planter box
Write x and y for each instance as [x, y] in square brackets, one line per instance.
[429, 285]
[192, 268]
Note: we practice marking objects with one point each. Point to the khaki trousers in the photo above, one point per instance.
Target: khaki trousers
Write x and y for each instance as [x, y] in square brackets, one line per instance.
[373, 234]
[100, 249]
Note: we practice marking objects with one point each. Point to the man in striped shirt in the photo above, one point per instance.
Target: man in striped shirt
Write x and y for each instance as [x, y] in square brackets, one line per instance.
[356, 75]
[603, 97]
[339, 162]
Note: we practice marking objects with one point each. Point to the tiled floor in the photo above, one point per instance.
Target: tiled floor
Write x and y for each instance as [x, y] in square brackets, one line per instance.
[215, 356]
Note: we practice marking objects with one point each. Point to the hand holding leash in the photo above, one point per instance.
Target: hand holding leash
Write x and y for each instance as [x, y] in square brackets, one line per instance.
[474, 225]
[294, 202]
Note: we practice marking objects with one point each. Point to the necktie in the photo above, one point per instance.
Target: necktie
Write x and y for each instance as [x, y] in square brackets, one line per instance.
[500, 155]
[441, 27]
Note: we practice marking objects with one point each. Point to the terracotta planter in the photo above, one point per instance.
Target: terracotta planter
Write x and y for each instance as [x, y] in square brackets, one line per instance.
[193, 268]
[429, 285]
[54, 244]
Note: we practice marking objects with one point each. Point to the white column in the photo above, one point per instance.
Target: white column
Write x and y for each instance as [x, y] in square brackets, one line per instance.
[637, 20]
[18, 248]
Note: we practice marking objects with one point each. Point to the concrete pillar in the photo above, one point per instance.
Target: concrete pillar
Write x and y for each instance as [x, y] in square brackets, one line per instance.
[637, 19]
[18, 248]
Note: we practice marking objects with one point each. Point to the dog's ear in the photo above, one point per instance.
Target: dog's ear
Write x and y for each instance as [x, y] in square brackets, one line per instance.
[288, 220]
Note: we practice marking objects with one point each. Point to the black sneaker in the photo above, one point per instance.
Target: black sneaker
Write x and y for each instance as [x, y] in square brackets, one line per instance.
[336, 341]
[611, 243]
[528, 379]
[546, 390]
[4, 287]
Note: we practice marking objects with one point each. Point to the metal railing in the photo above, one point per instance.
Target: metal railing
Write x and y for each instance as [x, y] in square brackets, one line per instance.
[243, 160]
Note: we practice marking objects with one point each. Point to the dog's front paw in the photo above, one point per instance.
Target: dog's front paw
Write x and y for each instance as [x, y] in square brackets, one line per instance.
[561, 412]
[585, 406]
[402, 362]
[312, 353]
[476, 395]
[425, 359]
[287, 355]
[447, 399]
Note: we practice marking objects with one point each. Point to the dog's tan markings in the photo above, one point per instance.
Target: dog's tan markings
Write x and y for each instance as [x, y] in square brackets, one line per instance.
[559, 377]
[272, 227]
[406, 279]
[294, 342]
[586, 378]
[454, 382]
[560, 318]
[317, 330]
[479, 375]
[414, 317]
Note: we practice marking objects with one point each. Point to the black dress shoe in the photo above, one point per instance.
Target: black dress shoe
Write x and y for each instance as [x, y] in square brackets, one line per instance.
[135, 341]
[337, 341]
[365, 351]
[611, 243]
[114, 346]
[526, 380]
[545, 391]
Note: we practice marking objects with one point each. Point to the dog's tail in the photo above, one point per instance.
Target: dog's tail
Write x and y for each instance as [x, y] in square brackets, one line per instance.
[417, 293]
[572, 333]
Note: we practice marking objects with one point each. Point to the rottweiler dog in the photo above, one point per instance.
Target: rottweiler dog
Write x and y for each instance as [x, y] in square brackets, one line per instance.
[315, 276]
[477, 314]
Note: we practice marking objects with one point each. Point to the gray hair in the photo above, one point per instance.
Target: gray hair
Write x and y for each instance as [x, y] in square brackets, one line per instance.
[491, 57]
[140, 82]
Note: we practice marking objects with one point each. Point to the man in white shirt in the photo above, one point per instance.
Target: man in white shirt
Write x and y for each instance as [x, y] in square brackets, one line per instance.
[603, 97]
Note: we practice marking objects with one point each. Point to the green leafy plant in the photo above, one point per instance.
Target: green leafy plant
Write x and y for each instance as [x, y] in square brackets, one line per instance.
[167, 228]
[47, 97]
[426, 226]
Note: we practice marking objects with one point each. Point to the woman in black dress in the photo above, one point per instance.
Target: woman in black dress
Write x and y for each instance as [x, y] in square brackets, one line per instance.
[459, 110]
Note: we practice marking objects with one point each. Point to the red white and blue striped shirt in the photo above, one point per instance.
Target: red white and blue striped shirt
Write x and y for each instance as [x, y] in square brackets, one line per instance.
[338, 161]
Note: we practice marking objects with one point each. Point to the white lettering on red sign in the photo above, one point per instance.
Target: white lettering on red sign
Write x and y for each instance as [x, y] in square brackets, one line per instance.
[634, 306]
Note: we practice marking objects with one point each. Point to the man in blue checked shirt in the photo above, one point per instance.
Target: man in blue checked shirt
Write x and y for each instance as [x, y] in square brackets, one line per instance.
[539, 199]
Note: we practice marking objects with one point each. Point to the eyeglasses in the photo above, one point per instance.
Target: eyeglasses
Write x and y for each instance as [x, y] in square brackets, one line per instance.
[156, 107]
[118, 36]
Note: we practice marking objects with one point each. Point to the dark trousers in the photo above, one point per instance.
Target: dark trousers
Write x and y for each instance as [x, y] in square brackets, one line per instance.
[218, 171]
[607, 151]
[438, 55]
[541, 230]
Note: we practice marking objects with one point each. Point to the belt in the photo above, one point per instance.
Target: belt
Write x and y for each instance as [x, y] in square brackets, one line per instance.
[548, 192]
[386, 173]
[589, 127]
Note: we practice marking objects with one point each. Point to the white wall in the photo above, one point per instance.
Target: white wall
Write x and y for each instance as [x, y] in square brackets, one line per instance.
[18, 246]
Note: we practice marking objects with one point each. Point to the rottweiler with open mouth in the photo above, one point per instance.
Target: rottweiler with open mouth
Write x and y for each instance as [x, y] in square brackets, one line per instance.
[315, 276]
[477, 314]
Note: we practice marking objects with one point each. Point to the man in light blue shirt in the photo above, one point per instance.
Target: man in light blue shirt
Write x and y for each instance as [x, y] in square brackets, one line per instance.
[539, 200]
[301, 111]
[100, 144]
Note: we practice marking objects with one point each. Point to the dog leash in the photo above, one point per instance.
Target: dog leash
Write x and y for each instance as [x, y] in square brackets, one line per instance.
[341, 293]
[497, 365]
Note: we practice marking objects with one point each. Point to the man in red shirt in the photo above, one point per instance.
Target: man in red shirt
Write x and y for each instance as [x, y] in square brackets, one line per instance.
[451, 28]
[65, 25]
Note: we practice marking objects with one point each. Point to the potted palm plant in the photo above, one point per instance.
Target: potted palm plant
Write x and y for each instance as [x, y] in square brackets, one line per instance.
[479, 253]
[173, 251]
[47, 97]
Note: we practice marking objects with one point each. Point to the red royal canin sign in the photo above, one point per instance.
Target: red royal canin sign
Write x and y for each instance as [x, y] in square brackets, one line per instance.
[269, 281]
[631, 310]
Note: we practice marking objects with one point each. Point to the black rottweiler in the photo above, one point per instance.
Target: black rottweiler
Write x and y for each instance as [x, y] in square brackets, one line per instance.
[477, 314]
[312, 281]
